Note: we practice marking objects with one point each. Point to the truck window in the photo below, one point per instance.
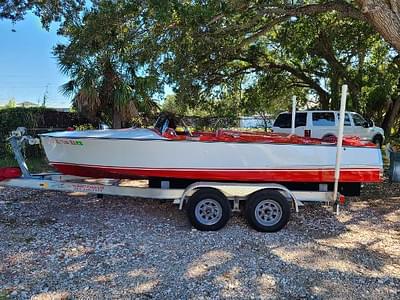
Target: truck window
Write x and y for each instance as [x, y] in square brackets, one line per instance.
[358, 120]
[323, 119]
[285, 120]
[301, 119]
[346, 119]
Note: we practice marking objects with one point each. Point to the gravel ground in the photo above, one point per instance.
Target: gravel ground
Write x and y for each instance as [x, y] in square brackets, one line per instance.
[58, 246]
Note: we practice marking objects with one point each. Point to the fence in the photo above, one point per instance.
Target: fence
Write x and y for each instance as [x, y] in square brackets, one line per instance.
[36, 120]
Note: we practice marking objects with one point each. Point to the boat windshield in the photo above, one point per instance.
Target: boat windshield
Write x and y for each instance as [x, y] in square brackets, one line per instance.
[165, 121]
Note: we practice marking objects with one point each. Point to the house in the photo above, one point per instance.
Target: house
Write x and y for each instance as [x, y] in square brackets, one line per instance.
[27, 104]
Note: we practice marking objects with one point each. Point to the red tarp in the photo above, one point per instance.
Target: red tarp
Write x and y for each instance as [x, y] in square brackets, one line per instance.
[263, 137]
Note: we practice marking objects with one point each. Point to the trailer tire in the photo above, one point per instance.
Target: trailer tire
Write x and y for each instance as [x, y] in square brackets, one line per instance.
[267, 211]
[208, 210]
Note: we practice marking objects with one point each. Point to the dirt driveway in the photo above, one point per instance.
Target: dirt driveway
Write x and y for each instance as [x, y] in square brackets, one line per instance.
[55, 246]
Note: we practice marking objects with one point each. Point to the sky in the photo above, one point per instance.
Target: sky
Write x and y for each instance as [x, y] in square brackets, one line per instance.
[27, 66]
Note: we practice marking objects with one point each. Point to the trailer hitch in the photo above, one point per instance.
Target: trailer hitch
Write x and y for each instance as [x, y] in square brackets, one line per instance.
[17, 141]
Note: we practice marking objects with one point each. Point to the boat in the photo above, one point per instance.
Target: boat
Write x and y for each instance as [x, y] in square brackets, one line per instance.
[224, 155]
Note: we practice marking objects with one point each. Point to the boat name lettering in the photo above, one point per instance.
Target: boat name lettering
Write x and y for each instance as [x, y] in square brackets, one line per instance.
[69, 142]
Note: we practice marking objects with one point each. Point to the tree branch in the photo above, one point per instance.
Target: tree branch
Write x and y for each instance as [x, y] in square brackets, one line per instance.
[263, 30]
[384, 17]
[281, 14]
[341, 7]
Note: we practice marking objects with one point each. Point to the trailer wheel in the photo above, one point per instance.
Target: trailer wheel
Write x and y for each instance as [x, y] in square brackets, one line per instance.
[208, 210]
[267, 211]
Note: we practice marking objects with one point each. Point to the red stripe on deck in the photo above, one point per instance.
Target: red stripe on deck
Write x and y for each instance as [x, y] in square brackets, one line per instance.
[304, 175]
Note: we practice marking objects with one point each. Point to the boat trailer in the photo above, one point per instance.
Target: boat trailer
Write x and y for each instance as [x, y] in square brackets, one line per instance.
[208, 204]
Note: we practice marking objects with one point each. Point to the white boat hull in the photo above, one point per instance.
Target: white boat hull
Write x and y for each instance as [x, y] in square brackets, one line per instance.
[147, 155]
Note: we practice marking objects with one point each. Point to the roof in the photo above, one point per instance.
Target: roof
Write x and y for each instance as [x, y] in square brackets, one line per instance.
[27, 104]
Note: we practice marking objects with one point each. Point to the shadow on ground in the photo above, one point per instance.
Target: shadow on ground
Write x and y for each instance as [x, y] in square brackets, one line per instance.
[84, 247]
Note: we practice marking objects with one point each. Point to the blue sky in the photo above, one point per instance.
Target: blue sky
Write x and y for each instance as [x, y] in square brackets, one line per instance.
[27, 65]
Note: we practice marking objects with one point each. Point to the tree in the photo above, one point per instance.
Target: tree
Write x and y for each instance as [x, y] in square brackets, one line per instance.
[272, 94]
[170, 105]
[205, 47]
[48, 11]
[45, 97]
[212, 44]
[334, 51]
[11, 103]
[384, 16]
[111, 61]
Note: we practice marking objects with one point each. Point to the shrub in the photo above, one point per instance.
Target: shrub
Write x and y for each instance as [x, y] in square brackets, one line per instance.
[36, 120]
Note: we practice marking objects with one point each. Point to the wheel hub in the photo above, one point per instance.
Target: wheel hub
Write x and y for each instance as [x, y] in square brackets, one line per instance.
[268, 212]
[208, 211]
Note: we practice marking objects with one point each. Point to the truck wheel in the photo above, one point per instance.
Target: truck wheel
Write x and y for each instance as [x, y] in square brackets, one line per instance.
[208, 210]
[267, 211]
[378, 140]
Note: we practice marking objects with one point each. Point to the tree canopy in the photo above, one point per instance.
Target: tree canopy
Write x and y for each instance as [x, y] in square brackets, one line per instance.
[229, 57]
[48, 11]
[383, 15]
[318, 50]
[108, 59]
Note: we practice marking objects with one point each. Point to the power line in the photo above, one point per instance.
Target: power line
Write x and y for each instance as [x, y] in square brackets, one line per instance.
[22, 87]
[18, 75]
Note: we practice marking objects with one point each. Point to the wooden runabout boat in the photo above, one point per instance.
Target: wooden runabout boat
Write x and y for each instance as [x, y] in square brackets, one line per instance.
[223, 155]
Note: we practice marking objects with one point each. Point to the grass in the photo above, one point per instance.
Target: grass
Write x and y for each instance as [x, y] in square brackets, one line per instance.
[35, 165]
[4, 295]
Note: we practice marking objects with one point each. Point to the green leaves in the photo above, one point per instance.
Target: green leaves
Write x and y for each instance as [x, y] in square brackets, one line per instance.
[112, 59]
[121, 53]
[312, 50]
[48, 11]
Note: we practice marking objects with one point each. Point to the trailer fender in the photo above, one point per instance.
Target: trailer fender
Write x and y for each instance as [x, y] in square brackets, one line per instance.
[232, 190]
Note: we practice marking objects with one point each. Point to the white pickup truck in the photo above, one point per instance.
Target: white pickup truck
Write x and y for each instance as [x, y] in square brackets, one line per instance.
[324, 125]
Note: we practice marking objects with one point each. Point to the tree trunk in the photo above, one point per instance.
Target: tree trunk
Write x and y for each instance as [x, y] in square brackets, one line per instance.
[324, 100]
[392, 112]
[384, 16]
[335, 95]
[354, 91]
[117, 119]
[390, 116]
[265, 120]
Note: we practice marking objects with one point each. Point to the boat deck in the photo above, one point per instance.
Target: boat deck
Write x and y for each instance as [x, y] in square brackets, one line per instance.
[233, 136]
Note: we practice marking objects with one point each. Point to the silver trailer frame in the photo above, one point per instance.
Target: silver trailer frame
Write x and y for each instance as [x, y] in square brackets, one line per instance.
[233, 191]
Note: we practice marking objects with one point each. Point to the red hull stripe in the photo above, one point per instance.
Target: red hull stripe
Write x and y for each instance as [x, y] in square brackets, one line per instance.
[267, 175]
